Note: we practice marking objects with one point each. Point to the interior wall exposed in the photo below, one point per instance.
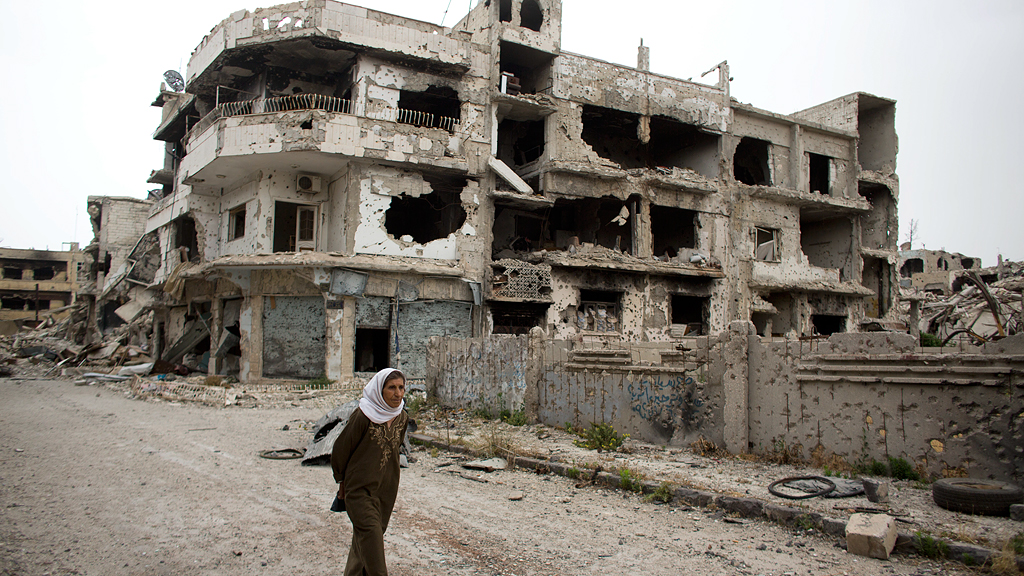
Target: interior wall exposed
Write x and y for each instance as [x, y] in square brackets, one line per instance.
[828, 243]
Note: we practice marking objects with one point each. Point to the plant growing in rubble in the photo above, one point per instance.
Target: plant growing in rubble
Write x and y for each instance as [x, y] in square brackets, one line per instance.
[929, 547]
[630, 480]
[663, 494]
[321, 382]
[600, 437]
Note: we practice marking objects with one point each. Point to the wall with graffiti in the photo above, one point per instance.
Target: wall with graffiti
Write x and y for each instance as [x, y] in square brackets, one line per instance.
[488, 373]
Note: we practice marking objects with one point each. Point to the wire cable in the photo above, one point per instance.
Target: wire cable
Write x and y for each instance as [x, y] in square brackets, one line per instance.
[446, 12]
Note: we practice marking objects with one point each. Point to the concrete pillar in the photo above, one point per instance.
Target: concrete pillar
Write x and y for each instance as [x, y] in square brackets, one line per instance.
[534, 373]
[735, 385]
[216, 332]
[915, 319]
[251, 323]
[347, 364]
[335, 341]
[796, 160]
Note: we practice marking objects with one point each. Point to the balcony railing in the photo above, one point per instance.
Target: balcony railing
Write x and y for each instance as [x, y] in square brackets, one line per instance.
[316, 102]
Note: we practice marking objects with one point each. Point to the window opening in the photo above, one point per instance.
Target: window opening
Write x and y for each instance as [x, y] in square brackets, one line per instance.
[827, 324]
[294, 227]
[185, 237]
[44, 273]
[530, 15]
[236, 222]
[672, 229]
[598, 311]
[820, 173]
[524, 69]
[691, 311]
[912, 266]
[828, 243]
[520, 143]
[875, 277]
[12, 303]
[430, 216]
[528, 233]
[372, 349]
[750, 163]
[613, 135]
[517, 318]
[13, 273]
[967, 263]
[505, 10]
[766, 244]
[878, 227]
[435, 107]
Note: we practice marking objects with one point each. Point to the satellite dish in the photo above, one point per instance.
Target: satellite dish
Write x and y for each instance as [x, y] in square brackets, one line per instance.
[174, 80]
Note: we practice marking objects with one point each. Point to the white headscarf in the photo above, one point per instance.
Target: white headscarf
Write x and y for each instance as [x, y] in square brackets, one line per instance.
[372, 403]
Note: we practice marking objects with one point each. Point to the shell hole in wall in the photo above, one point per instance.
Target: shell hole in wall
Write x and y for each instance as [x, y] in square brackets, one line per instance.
[430, 216]
[690, 311]
[672, 229]
[828, 324]
[750, 163]
[615, 135]
[531, 15]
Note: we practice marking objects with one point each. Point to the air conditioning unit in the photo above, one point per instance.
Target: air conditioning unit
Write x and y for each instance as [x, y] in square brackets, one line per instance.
[307, 183]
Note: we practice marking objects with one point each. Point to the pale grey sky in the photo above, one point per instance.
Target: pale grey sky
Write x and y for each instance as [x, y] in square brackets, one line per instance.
[80, 76]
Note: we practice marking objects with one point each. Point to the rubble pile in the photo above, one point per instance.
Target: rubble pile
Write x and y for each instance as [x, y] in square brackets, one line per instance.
[987, 307]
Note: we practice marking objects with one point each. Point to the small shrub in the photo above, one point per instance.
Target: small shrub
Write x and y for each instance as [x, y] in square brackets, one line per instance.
[930, 547]
[213, 381]
[600, 437]
[415, 405]
[514, 418]
[434, 452]
[930, 340]
[573, 473]
[704, 447]
[483, 414]
[805, 522]
[628, 480]
[877, 468]
[968, 560]
[1017, 543]
[663, 494]
[900, 469]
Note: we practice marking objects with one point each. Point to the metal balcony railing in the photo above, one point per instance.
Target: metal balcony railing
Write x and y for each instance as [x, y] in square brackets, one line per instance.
[316, 102]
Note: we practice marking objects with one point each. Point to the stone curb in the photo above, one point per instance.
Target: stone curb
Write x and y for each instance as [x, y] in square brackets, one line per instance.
[788, 516]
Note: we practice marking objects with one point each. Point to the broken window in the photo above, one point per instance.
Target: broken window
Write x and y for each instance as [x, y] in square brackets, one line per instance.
[828, 324]
[13, 273]
[875, 277]
[520, 143]
[672, 229]
[912, 266]
[820, 174]
[942, 264]
[751, 162]
[614, 135]
[430, 216]
[372, 349]
[827, 242]
[598, 311]
[508, 318]
[12, 303]
[524, 69]
[435, 107]
[967, 263]
[43, 273]
[236, 222]
[530, 15]
[878, 227]
[294, 227]
[691, 311]
[185, 237]
[505, 10]
[766, 244]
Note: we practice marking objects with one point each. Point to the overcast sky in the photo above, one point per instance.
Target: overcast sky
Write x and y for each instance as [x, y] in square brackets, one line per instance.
[80, 77]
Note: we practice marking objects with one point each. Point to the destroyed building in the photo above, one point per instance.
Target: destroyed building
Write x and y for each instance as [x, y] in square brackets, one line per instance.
[934, 271]
[37, 284]
[340, 184]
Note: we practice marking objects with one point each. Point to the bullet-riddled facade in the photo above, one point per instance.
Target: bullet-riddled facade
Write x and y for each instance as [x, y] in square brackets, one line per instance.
[340, 184]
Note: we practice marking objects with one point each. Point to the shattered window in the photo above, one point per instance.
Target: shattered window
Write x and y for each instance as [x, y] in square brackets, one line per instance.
[598, 311]
[12, 272]
[236, 223]
[766, 244]
[430, 216]
[912, 266]
[750, 163]
[307, 223]
[820, 174]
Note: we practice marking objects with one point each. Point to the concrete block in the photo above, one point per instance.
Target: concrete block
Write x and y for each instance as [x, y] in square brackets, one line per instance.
[872, 535]
[876, 490]
[1017, 512]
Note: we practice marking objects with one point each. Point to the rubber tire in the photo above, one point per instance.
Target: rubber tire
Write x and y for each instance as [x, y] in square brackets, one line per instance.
[976, 496]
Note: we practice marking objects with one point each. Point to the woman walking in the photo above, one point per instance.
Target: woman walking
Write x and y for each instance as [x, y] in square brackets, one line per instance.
[365, 463]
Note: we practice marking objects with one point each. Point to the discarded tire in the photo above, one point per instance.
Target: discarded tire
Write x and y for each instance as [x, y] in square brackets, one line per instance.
[829, 486]
[976, 496]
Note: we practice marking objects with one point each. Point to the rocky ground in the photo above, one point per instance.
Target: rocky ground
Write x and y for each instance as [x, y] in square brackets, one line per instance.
[100, 479]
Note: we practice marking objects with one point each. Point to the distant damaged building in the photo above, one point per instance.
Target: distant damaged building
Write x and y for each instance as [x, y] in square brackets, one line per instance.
[340, 184]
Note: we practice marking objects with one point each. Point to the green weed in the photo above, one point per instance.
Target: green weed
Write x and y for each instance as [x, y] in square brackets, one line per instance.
[663, 494]
[930, 547]
[630, 480]
[600, 437]
[321, 382]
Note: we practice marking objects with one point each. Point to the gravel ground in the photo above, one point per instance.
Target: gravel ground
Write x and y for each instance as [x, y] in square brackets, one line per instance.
[97, 482]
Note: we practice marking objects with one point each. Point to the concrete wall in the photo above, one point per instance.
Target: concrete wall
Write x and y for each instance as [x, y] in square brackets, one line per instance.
[487, 373]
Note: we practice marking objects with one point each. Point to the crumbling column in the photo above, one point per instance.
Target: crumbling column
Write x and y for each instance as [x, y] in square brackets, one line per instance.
[735, 385]
[216, 333]
[534, 373]
[335, 312]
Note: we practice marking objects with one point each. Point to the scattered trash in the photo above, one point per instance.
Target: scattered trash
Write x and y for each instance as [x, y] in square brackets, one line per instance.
[489, 465]
[282, 454]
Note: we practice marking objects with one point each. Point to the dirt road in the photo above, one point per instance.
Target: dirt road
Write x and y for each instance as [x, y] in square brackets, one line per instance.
[94, 483]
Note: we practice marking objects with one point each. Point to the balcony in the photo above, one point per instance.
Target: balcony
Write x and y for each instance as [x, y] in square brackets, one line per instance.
[319, 133]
